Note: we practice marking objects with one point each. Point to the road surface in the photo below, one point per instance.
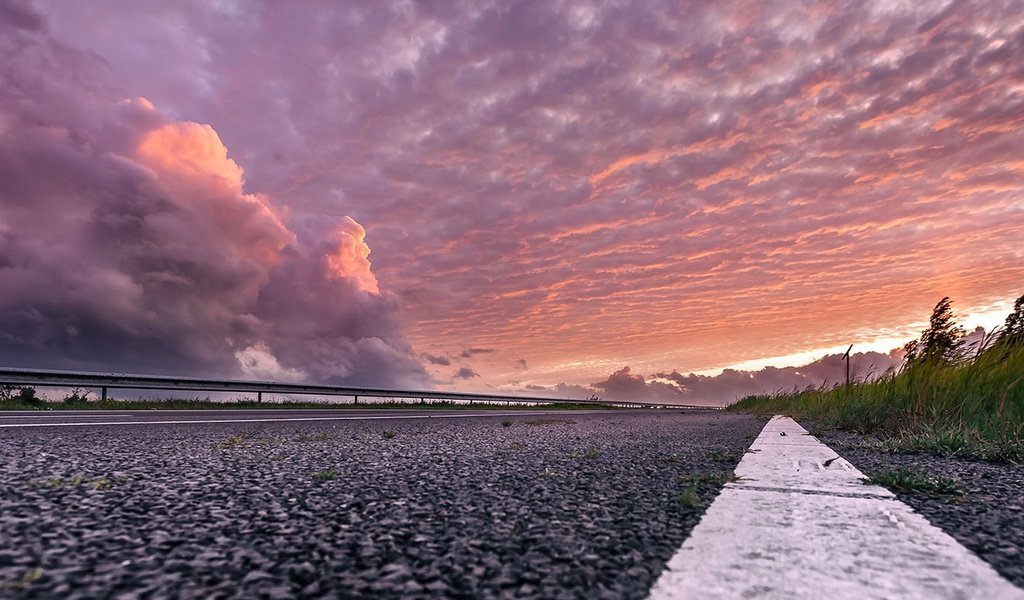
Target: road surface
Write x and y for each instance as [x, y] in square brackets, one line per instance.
[385, 504]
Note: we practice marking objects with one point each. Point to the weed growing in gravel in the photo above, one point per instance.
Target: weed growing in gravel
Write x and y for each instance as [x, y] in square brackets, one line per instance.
[231, 442]
[389, 434]
[241, 438]
[591, 453]
[710, 478]
[26, 580]
[506, 422]
[548, 473]
[915, 480]
[550, 422]
[731, 456]
[325, 475]
[688, 498]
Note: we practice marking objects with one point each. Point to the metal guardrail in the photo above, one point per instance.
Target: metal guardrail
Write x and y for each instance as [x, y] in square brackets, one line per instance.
[103, 382]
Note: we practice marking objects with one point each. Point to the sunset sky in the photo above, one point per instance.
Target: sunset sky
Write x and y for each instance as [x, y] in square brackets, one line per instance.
[502, 195]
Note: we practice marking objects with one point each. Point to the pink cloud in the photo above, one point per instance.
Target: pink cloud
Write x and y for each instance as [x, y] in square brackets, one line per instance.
[671, 184]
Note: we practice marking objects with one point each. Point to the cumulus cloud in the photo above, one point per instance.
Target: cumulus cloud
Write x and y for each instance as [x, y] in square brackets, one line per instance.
[128, 241]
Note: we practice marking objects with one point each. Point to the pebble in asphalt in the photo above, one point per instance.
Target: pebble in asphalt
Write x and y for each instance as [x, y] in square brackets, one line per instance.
[560, 506]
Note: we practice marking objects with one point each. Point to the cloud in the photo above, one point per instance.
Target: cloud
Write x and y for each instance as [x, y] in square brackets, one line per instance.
[471, 352]
[732, 384]
[520, 364]
[129, 242]
[465, 373]
[660, 184]
[437, 360]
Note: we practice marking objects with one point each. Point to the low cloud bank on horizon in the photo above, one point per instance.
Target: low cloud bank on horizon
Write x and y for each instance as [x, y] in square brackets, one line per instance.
[730, 384]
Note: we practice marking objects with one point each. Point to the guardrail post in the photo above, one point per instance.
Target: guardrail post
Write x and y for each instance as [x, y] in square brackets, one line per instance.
[356, 399]
[103, 393]
[259, 397]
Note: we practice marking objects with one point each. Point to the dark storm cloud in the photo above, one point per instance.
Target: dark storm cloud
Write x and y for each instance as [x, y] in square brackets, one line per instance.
[128, 243]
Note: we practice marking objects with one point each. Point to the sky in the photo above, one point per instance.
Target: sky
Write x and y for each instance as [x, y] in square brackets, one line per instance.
[682, 200]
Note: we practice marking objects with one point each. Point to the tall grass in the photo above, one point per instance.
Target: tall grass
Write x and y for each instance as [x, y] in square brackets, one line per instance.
[974, 407]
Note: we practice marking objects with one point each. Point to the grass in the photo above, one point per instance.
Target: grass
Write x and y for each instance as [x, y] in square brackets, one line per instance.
[689, 498]
[973, 409]
[590, 454]
[730, 456]
[915, 480]
[536, 422]
[506, 422]
[232, 441]
[717, 478]
[389, 434]
[26, 580]
[325, 475]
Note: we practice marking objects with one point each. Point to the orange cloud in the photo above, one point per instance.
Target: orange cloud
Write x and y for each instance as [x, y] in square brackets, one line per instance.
[192, 150]
[350, 257]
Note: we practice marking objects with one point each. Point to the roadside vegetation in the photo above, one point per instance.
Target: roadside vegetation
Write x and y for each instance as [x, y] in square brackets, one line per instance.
[917, 481]
[948, 398]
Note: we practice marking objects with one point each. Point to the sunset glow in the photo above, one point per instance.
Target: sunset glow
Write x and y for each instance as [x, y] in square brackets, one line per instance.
[551, 191]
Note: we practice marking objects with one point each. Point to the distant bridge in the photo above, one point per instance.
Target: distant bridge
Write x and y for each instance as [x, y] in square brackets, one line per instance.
[105, 381]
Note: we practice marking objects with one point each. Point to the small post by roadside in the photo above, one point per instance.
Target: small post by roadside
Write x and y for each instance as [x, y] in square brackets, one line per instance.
[847, 358]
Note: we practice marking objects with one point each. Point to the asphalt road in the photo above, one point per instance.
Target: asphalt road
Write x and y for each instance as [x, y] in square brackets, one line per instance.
[443, 504]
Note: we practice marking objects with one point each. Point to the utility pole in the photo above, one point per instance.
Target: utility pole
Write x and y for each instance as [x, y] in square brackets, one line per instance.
[847, 358]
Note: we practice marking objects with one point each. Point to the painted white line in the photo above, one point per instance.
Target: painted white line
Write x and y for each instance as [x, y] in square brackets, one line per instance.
[282, 420]
[792, 527]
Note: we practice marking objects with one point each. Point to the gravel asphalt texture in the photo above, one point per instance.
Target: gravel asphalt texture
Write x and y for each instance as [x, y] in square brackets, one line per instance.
[987, 517]
[562, 506]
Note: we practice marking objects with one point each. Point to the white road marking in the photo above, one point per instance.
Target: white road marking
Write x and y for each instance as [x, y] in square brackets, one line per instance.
[280, 420]
[789, 529]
